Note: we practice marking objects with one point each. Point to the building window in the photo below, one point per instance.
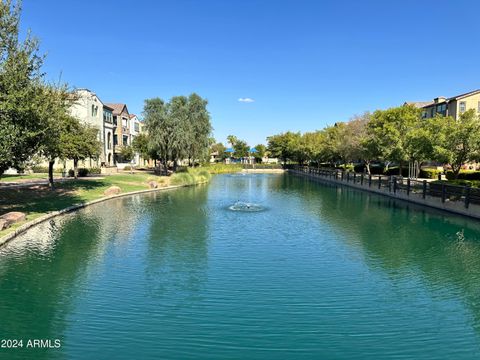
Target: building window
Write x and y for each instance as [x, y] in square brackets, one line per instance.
[125, 140]
[109, 141]
[463, 107]
[115, 139]
[478, 107]
[115, 120]
[137, 127]
[442, 109]
[124, 122]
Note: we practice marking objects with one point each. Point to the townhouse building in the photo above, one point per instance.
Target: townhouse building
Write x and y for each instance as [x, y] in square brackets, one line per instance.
[121, 130]
[453, 106]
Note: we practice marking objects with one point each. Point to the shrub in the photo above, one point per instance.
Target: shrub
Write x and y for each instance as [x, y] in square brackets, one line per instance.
[359, 168]
[94, 170]
[191, 177]
[39, 169]
[465, 175]
[71, 173]
[394, 171]
[430, 173]
[183, 178]
[82, 172]
[347, 167]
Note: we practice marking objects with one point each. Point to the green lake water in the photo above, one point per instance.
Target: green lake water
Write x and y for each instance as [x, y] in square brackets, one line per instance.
[321, 273]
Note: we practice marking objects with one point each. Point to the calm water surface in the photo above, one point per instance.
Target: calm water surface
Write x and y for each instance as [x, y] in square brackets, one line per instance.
[321, 273]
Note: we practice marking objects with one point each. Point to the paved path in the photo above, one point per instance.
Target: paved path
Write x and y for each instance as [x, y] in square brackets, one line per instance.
[27, 183]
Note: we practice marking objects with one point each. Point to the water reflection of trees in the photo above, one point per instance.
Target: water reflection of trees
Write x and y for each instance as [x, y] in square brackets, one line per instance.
[403, 240]
[41, 273]
[177, 250]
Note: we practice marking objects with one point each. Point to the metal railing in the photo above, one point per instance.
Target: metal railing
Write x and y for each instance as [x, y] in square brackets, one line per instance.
[397, 184]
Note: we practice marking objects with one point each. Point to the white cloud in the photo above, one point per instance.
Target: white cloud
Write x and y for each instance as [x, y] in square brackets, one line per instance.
[246, 100]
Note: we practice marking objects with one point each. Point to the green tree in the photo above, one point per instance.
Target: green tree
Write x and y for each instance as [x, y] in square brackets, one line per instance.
[140, 146]
[159, 128]
[261, 150]
[79, 142]
[232, 140]
[456, 142]
[241, 149]
[55, 113]
[284, 146]
[200, 128]
[127, 153]
[391, 128]
[22, 128]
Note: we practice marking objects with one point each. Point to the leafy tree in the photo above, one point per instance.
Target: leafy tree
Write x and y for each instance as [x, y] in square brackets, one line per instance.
[178, 129]
[79, 142]
[127, 153]
[200, 128]
[390, 130]
[261, 150]
[284, 145]
[140, 145]
[55, 114]
[456, 142]
[22, 128]
[160, 129]
[232, 140]
[241, 149]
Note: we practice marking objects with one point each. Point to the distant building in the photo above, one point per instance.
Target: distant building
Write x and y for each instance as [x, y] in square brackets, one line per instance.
[453, 106]
[135, 130]
[121, 130]
[109, 131]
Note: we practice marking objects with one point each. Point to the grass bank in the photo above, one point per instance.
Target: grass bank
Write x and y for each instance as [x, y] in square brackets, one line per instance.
[38, 200]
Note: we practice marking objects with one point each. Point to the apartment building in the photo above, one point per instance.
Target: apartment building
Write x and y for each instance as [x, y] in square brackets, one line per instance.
[121, 130]
[453, 106]
[88, 108]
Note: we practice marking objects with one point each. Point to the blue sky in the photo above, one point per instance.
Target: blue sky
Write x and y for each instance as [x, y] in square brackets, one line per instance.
[305, 63]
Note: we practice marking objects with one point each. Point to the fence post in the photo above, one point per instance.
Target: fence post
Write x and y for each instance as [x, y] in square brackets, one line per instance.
[390, 178]
[379, 181]
[408, 186]
[370, 180]
[394, 185]
[444, 193]
[424, 189]
[341, 176]
[361, 179]
[467, 196]
[348, 176]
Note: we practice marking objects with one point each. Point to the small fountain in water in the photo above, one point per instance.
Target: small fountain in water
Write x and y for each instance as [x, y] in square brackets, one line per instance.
[246, 206]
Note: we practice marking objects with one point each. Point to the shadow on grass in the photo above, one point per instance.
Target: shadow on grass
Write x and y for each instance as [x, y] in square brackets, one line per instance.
[41, 199]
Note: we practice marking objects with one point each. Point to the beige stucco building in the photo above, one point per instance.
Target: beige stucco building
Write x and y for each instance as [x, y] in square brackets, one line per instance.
[452, 106]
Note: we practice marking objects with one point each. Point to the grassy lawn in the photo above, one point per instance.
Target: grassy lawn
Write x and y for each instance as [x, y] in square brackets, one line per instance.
[39, 200]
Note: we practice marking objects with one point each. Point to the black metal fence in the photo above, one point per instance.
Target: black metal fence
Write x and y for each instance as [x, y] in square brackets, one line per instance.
[397, 184]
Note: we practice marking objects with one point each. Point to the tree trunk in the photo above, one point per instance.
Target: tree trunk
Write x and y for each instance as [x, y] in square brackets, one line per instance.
[400, 168]
[456, 171]
[367, 165]
[50, 173]
[75, 168]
